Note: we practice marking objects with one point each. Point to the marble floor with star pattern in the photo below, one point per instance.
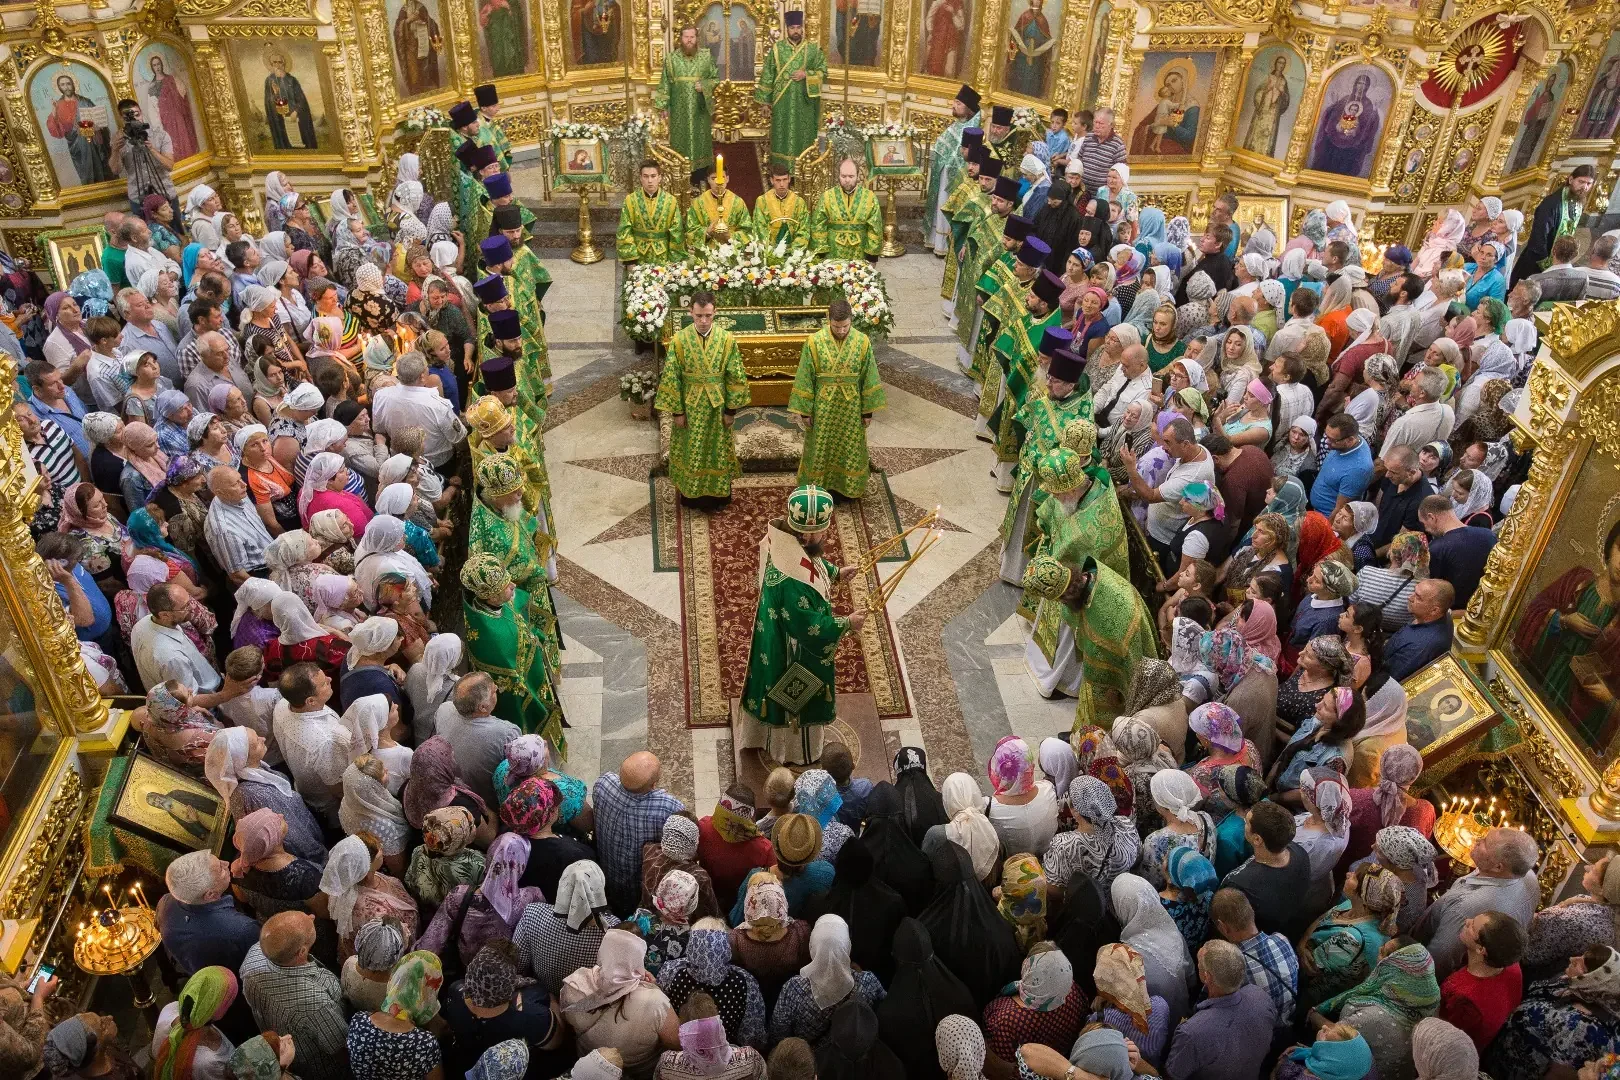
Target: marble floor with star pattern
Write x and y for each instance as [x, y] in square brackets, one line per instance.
[960, 643]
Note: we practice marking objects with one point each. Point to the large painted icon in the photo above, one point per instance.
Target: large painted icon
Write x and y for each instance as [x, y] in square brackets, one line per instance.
[1271, 97]
[1167, 122]
[166, 89]
[1356, 105]
[75, 113]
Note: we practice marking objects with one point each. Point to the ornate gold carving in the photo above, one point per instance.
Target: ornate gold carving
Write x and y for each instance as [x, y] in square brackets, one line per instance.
[265, 30]
[1184, 13]
[272, 9]
[930, 124]
[1316, 51]
[1188, 39]
[990, 43]
[1227, 97]
[118, 47]
[381, 62]
[1537, 747]
[1251, 12]
[158, 17]
[225, 124]
[897, 23]
[1073, 54]
[19, 115]
[200, 8]
[1453, 172]
[1173, 203]
[1391, 228]
[1376, 33]
[14, 188]
[551, 43]
[1119, 69]
[606, 113]
[528, 127]
[1570, 331]
[67, 803]
[1420, 131]
[863, 115]
[1405, 95]
[27, 244]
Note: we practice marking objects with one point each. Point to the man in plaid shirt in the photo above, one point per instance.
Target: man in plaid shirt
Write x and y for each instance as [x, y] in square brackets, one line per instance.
[1272, 963]
[630, 811]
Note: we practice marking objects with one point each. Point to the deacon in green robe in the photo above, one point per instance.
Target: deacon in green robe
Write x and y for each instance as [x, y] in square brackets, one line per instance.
[1074, 521]
[1003, 290]
[702, 388]
[790, 87]
[978, 228]
[847, 223]
[952, 201]
[1113, 630]
[519, 327]
[472, 199]
[836, 390]
[1016, 357]
[945, 167]
[489, 107]
[650, 222]
[499, 190]
[780, 216]
[501, 643]
[499, 527]
[684, 93]
[789, 697]
[1065, 397]
[715, 206]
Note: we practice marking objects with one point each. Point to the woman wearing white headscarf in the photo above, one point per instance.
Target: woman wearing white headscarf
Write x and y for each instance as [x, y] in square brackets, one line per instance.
[253, 599]
[1440, 241]
[446, 256]
[203, 204]
[1040, 182]
[234, 765]
[382, 549]
[430, 680]
[370, 721]
[959, 1042]
[1177, 796]
[1148, 928]
[805, 1007]
[968, 826]
[1499, 359]
[276, 188]
[369, 806]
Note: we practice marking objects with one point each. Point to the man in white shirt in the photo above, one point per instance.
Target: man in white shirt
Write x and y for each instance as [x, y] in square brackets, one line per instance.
[395, 408]
[162, 650]
[139, 254]
[1400, 324]
[312, 737]
[255, 709]
[1427, 420]
[1131, 381]
[477, 737]
[1192, 464]
[214, 367]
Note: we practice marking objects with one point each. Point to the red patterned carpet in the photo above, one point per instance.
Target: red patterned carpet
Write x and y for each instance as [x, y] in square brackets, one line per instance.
[719, 562]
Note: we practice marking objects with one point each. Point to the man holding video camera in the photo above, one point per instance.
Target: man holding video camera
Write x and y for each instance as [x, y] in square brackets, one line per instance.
[143, 155]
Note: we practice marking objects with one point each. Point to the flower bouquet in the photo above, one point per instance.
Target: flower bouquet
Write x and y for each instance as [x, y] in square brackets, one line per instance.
[638, 388]
[890, 129]
[1027, 119]
[424, 118]
[571, 130]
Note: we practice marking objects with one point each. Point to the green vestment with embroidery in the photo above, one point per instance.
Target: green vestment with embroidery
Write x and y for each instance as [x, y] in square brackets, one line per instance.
[707, 211]
[847, 226]
[526, 282]
[1002, 297]
[1017, 354]
[837, 386]
[513, 543]
[703, 378]
[650, 229]
[794, 628]
[1042, 420]
[686, 91]
[983, 243]
[795, 103]
[502, 644]
[945, 165]
[778, 219]
[1096, 528]
[954, 201]
[1113, 632]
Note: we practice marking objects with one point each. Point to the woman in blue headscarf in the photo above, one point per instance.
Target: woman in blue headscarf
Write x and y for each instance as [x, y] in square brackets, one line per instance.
[188, 265]
[1150, 226]
[93, 293]
[147, 534]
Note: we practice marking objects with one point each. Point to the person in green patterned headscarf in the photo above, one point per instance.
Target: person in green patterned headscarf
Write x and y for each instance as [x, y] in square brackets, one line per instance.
[503, 642]
[1113, 630]
[413, 988]
[788, 698]
[445, 857]
[202, 1002]
[263, 1057]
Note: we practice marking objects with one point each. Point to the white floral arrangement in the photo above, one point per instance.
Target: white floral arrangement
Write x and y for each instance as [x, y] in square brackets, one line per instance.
[638, 128]
[1027, 119]
[751, 275]
[839, 126]
[572, 130]
[421, 119]
[890, 129]
[638, 387]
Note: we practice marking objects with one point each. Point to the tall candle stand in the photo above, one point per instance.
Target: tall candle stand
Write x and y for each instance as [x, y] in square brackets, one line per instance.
[118, 940]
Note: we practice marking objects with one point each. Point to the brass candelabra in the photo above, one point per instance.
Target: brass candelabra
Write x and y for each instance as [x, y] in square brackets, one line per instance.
[117, 940]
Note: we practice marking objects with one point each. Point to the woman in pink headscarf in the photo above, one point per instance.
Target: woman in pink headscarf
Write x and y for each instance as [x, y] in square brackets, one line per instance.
[1259, 629]
[323, 489]
[1440, 241]
[705, 1054]
[1219, 730]
[1023, 810]
[492, 909]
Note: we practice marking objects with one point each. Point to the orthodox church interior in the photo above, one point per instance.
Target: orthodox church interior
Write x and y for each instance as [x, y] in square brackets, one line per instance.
[1404, 126]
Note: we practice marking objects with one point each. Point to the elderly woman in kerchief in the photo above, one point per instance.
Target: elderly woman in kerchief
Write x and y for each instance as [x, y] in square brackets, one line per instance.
[614, 1003]
[357, 891]
[268, 877]
[1177, 797]
[667, 924]
[492, 908]
[178, 733]
[1022, 809]
[185, 1043]
[270, 1056]
[1142, 752]
[446, 858]
[1342, 946]
[1046, 1006]
[382, 549]
[1389, 802]
[1576, 923]
[1323, 829]
[23, 1025]
[769, 941]
[378, 946]
[968, 828]
[677, 849]
[1103, 844]
[367, 302]
[393, 1043]
[145, 464]
[805, 1007]
[87, 1045]
[1147, 928]
[1219, 731]
[1195, 312]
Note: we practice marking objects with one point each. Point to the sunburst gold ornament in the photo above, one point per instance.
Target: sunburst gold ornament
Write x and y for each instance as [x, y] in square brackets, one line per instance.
[1469, 60]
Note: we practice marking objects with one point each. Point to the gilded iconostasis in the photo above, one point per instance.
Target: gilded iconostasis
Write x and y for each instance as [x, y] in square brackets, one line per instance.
[1400, 107]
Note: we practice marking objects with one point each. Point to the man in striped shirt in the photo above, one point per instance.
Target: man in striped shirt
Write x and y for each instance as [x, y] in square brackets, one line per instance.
[234, 531]
[1099, 150]
[50, 447]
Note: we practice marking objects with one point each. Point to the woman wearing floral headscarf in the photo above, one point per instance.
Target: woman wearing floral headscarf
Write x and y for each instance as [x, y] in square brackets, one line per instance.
[1021, 898]
[1323, 829]
[492, 909]
[1567, 1021]
[1023, 810]
[1390, 802]
[1125, 1004]
[1388, 1004]
[667, 925]
[1343, 944]
[677, 849]
[185, 1043]
[445, 858]
[393, 1042]
[1102, 845]
[177, 733]
[1189, 885]
[265, 1057]
[1219, 731]
[1046, 1006]
[1142, 752]
[769, 942]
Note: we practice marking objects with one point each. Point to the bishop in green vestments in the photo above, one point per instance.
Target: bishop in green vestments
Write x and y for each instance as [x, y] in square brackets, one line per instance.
[836, 391]
[789, 696]
[709, 210]
[847, 223]
[502, 644]
[780, 216]
[684, 92]
[500, 528]
[945, 164]
[650, 222]
[790, 86]
[1043, 418]
[1112, 627]
[702, 388]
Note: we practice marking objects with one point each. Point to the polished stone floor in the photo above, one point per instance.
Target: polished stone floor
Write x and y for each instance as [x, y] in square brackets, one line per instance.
[961, 645]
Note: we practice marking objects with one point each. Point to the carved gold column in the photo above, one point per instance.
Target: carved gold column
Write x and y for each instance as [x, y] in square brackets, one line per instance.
[1116, 71]
[37, 614]
[1317, 52]
[1071, 60]
[461, 43]
[356, 145]
[990, 46]
[1226, 98]
[41, 178]
[224, 123]
[115, 51]
[551, 41]
[380, 63]
[658, 30]
[640, 24]
[1406, 94]
[1530, 75]
[898, 14]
